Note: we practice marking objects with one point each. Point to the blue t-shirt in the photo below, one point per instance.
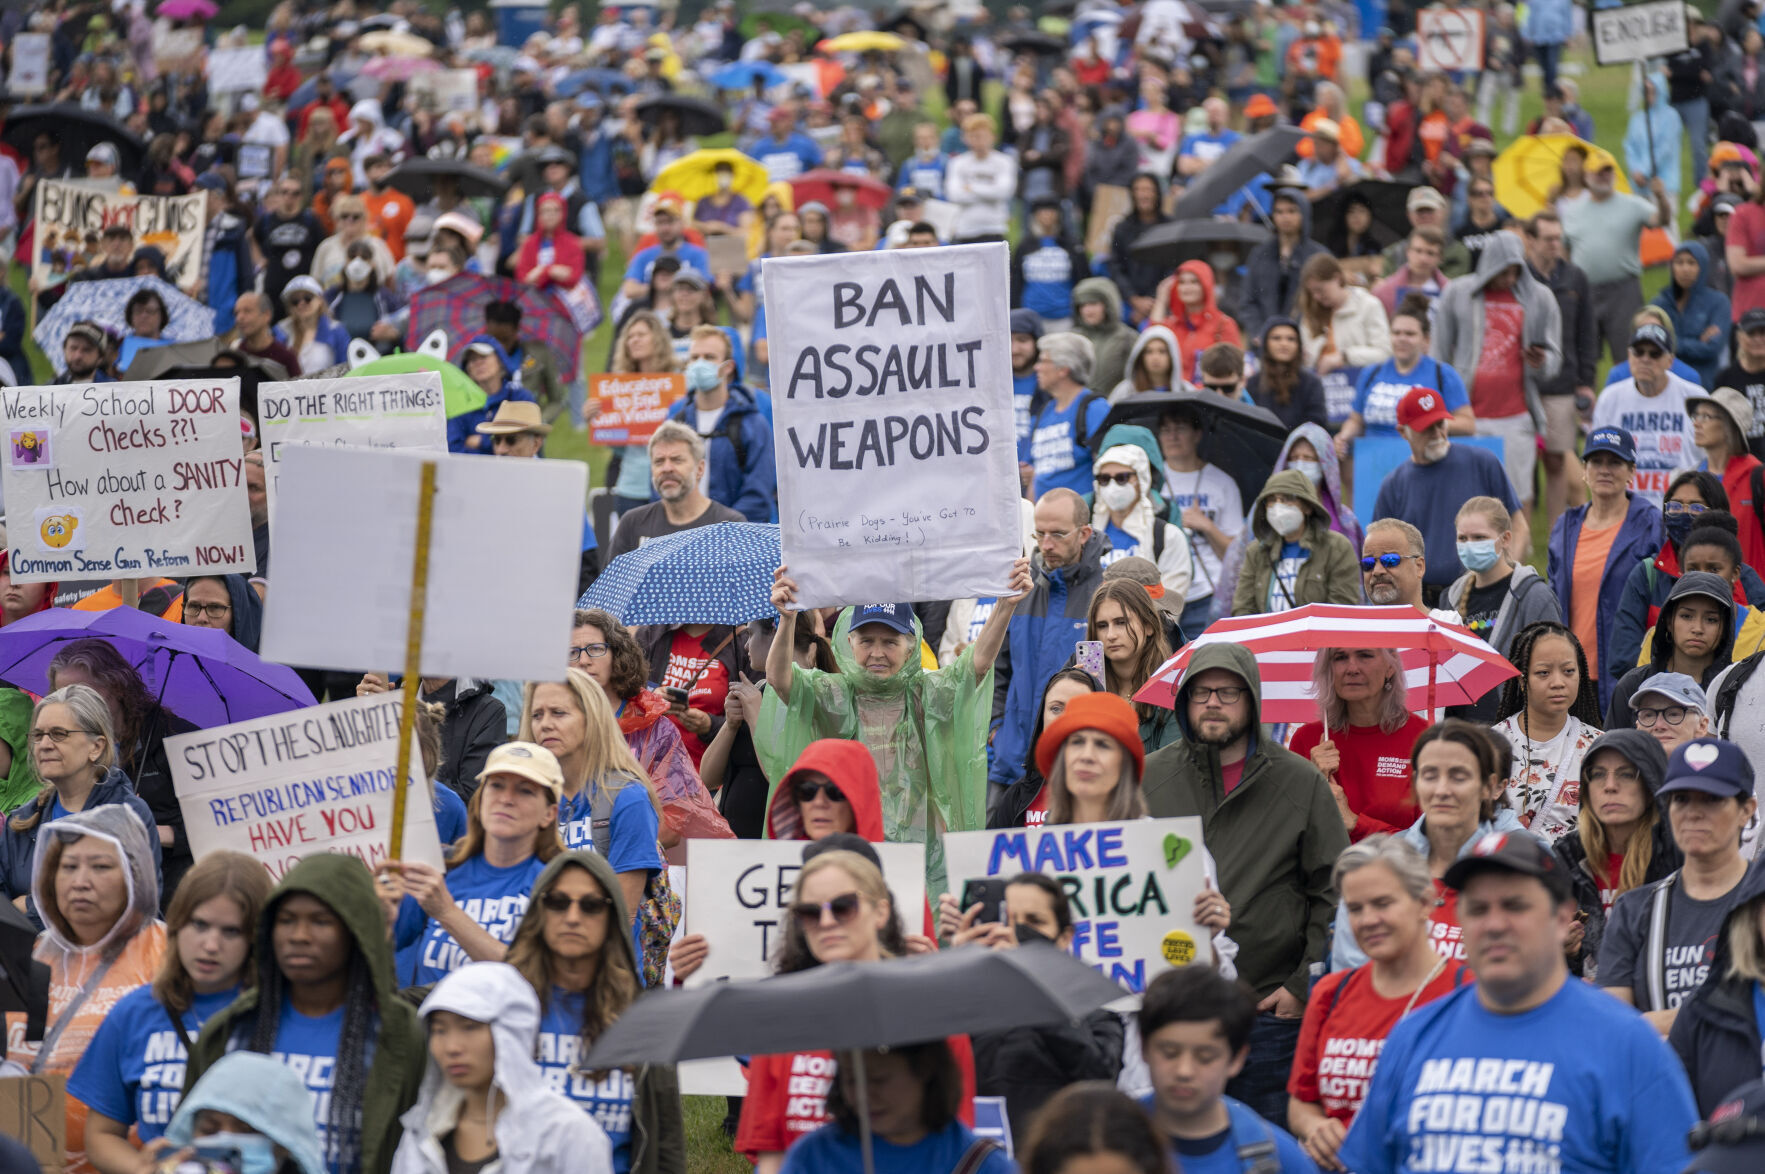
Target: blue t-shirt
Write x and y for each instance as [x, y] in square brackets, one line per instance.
[1121, 544]
[1428, 497]
[493, 897]
[830, 1150]
[450, 814]
[691, 257]
[633, 826]
[133, 1070]
[1060, 462]
[308, 1046]
[1219, 1154]
[608, 1101]
[1681, 368]
[1284, 582]
[1380, 388]
[787, 159]
[1048, 278]
[1023, 393]
[1581, 1084]
[925, 174]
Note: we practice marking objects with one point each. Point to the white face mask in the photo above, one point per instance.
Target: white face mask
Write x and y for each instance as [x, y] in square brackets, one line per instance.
[1118, 497]
[357, 269]
[438, 275]
[1312, 469]
[1285, 519]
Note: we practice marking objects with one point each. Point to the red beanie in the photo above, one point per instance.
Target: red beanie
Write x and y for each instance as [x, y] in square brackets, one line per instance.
[1104, 712]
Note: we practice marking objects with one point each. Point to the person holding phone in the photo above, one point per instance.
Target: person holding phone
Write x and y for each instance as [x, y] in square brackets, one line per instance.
[1362, 738]
[1125, 621]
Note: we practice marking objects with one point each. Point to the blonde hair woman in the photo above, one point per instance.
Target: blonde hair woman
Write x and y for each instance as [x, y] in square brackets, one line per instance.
[644, 345]
[1365, 729]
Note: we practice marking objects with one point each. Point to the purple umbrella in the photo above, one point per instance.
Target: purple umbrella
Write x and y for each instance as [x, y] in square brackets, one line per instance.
[457, 306]
[188, 9]
[201, 674]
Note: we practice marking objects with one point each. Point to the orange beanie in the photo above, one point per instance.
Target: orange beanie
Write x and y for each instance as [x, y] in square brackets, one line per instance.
[1104, 712]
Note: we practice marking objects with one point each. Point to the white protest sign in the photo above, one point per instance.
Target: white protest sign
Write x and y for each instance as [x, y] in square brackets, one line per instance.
[447, 90]
[71, 215]
[125, 480]
[503, 562]
[378, 411]
[893, 429]
[176, 50]
[738, 893]
[1449, 40]
[236, 71]
[30, 64]
[1132, 887]
[289, 786]
[1637, 32]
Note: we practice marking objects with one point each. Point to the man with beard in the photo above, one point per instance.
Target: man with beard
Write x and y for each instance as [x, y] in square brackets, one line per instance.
[1274, 831]
[1393, 560]
[677, 469]
[83, 350]
[1427, 490]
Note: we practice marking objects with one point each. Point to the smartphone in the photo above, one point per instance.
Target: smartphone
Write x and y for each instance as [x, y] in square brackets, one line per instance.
[676, 695]
[989, 894]
[1088, 654]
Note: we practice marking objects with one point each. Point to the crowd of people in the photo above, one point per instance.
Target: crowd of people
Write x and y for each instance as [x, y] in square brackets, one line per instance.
[1523, 934]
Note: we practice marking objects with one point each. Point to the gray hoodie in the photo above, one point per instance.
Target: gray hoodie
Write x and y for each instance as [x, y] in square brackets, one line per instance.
[1111, 341]
[1458, 320]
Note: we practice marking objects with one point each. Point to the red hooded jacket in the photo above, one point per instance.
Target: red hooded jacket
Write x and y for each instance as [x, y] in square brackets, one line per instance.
[1196, 334]
[851, 768]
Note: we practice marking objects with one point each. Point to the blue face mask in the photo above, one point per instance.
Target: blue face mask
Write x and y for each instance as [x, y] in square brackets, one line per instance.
[257, 1153]
[701, 375]
[1678, 526]
[1479, 555]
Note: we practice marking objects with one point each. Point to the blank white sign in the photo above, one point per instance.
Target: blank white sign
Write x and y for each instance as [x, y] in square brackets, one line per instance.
[503, 561]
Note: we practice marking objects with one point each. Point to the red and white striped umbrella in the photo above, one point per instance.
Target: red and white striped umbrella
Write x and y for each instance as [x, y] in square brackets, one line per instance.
[1443, 663]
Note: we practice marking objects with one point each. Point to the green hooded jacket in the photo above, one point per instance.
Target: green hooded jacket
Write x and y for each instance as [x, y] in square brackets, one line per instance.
[1330, 575]
[658, 1138]
[400, 1048]
[1275, 838]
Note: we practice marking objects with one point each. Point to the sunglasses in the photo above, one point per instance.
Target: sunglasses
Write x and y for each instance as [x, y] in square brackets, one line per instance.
[1115, 478]
[1389, 561]
[299, 299]
[810, 913]
[349, 216]
[591, 906]
[1647, 352]
[807, 791]
[1222, 388]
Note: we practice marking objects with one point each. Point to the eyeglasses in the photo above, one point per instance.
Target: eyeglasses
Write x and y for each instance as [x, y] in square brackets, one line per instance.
[298, 299]
[1052, 535]
[1481, 193]
[1708, 415]
[843, 908]
[213, 611]
[1671, 714]
[350, 216]
[55, 734]
[1115, 478]
[1227, 694]
[1389, 561]
[587, 651]
[1674, 509]
[1648, 352]
[560, 903]
[1222, 388]
[806, 792]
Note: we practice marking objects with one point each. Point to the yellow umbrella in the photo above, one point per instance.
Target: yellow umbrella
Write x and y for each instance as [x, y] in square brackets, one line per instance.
[1531, 166]
[863, 43]
[694, 175]
[397, 44]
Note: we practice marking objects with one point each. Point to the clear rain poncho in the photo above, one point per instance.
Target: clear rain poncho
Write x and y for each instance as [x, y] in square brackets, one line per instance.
[927, 730]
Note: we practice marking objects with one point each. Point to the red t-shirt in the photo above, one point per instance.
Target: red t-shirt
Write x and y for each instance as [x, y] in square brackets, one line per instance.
[1339, 1044]
[787, 1097]
[1746, 228]
[1231, 774]
[1443, 924]
[1609, 882]
[1498, 387]
[1036, 814]
[686, 657]
[1375, 772]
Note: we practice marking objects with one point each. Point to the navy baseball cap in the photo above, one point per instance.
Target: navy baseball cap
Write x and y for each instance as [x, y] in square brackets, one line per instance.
[1516, 851]
[1732, 1139]
[1653, 333]
[1711, 765]
[1753, 319]
[1614, 440]
[1026, 321]
[898, 616]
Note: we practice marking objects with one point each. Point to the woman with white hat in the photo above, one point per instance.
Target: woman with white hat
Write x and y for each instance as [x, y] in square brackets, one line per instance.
[1720, 423]
[317, 339]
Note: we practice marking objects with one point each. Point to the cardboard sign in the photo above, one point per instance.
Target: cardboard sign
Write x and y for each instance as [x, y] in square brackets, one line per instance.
[1637, 32]
[447, 90]
[380, 411]
[1449, 40]
[632, 405]
[1132, 887]
[893, 427]
[30, 65]
[176, 50]
[125, 480]
[72, 215]
[237, 71]
[728, 253]
[292, 785]
[1109, 203]
[345, 534]
[737, 893]
[33, 1110]
[941, 215]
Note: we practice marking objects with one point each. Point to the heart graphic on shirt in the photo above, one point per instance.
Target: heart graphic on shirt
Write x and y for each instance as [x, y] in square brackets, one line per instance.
[1700, 755]
[1175, 848]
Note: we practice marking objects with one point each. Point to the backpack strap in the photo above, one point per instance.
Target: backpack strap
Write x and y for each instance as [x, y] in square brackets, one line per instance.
[1081, 431]
[1726, 696]
[975, 1156]
[1254, 1141]
[1656, 943]
[1336, 995]
[1158, 525]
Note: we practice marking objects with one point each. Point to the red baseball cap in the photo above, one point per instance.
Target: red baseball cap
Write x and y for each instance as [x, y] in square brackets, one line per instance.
[1421, 408]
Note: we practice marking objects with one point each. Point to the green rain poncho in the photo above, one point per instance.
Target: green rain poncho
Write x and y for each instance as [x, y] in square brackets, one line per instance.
[20, 784]
[927, 731]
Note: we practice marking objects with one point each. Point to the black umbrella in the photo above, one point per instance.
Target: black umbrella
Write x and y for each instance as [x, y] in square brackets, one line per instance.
[1388, 200]
[77, 129]
[24, 982]
[1242, 162]
[1175, 241]
[1240, 438]
[416, 178]
[1034, 41]
[697, 116]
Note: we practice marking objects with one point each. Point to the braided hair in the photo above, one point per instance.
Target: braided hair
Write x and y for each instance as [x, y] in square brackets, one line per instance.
[1586, 705]
[343, 1122]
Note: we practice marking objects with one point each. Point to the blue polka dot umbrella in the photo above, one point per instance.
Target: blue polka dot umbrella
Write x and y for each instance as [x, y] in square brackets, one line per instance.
[719, 574]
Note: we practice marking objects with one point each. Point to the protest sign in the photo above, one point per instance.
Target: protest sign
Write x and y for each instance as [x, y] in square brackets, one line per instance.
[237, 71]
[728, 252]
[71, 215]
[176, 50]
[1109, 203]
[503, 563]
[631, 405]
[893, 427]
[737, 892]
[125, 480]
[33, 1111]
[29, 76]
[1132, 887]
[1449, 40]
[1636, 32]
[377, 411]
[293, 785]
[941, 215]
[447, 90]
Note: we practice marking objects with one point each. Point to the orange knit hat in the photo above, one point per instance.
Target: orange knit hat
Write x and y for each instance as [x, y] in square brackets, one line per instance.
[1104, 712]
